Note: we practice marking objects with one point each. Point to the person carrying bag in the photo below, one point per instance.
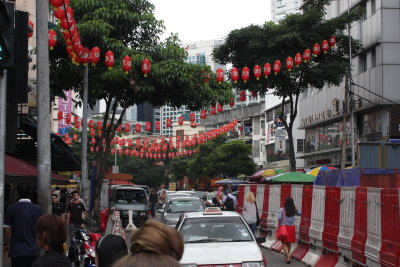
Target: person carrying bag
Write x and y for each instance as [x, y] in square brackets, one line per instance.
[286, 232]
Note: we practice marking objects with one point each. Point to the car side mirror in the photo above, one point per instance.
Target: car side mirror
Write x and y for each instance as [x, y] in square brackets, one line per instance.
[160, 210]
[260, 239]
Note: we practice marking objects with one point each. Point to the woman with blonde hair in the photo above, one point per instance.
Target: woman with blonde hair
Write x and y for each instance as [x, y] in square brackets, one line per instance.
[250, 211]
[154, 245]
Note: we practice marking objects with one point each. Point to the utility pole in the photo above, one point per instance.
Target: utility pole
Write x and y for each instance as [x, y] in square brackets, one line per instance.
[84, 171]
[3, 92]
[43, 121]
[343, 158]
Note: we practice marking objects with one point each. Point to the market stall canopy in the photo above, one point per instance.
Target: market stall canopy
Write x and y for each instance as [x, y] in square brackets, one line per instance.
[231, 181]
[257, 174]
[314, 172]
[290, 177]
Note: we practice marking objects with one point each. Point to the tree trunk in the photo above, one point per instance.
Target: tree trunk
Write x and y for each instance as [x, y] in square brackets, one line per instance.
[101, 171]
[292, 160]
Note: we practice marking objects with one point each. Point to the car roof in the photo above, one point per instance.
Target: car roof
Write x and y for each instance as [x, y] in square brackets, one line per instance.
[201, 214]
[128, 188]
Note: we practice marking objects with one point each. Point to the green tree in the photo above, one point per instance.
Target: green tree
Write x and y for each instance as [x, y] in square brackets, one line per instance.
[130, 28]
[258, 44]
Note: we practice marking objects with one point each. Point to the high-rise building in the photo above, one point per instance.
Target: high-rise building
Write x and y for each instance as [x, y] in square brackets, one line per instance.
[281, 8]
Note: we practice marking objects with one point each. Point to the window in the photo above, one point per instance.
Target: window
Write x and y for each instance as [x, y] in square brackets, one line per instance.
[300, 145]
[362, 63]
[364, 15]
[373, 57]
[373, 7]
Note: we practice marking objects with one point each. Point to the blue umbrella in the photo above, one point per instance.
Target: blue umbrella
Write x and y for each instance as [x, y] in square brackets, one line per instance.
[231, 181]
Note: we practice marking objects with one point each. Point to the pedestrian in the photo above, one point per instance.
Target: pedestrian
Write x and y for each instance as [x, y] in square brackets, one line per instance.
[250, 211]
[286, 218]
[76, 211]
[229, 201]
[51, 236]
[162, 198]
[220, 195]
[109, 249]
[20, 219]
[153, 202]
[57, 207]
[154, 245]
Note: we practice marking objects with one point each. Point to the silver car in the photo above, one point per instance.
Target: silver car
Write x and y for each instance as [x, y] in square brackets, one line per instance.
[177, 206]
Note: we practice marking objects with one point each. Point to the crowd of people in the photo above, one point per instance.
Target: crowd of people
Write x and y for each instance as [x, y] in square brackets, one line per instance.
[39, 240]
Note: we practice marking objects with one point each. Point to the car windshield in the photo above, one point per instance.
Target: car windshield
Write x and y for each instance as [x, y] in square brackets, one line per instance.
[129, 196]
[177, 206]
[200, 194]
[215, 229]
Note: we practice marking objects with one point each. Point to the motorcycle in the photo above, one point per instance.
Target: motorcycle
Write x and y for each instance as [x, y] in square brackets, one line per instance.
[82, 247]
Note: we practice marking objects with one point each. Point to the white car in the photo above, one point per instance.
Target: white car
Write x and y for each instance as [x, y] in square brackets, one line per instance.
[214, 238]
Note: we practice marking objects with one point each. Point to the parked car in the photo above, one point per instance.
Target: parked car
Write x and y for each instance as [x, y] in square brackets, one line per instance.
[145, 187]
[176, 206]
[125, 198]
[201, 194]
[218, 238]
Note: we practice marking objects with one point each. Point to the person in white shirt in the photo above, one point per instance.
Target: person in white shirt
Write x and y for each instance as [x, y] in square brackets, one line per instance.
[250, 211]
[230, 195]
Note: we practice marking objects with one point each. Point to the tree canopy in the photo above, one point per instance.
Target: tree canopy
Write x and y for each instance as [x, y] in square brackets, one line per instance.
[259, 44]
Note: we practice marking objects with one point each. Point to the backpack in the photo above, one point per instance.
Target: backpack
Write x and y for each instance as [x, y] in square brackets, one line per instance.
[229, 204]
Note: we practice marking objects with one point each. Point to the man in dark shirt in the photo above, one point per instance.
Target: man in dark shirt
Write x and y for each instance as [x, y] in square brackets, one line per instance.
[57, 207]
[76, 211]
[21, 219]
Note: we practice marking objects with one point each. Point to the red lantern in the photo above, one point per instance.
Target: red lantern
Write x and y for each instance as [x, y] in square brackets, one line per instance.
[245, 74]
[257, 72]
[52, 39]
[168, 123]
[253, 93]
[307, 55]
[122, 141]
[75, 136]
[126, 64]
[127, 152]
[332, 40]
[232, 102]
[158, 126]
[30, 33]
[180, 120]
[91, 149]
[242, 96]
[120, 151]
[95, 55]
[93, 141]
[289, 63]
[192, 117]
[267, 70]
[316, 50]
[148, 126]
[220, 75]
[193, 125]
[109, 60]
[212, 110]
[68, 118]
[112, 151]
[277, 66]
[119, 128]
[91, 132]
[145, 67]
[56, 3]
[91, 124]
[325, 46]
[99, 125]
[59, 13]
[297, 59]
[203, 114]
[127, 127]
[60, 115]
[219, 107]
[70, 13]
[137, 127]
[234, 75]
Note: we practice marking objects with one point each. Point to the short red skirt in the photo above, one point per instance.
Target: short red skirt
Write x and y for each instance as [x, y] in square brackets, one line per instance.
[291, 230]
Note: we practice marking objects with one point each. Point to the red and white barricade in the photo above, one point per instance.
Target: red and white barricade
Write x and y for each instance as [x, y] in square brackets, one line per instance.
[374, 236]
[274, 204]
[264, 211]
[317, 226]
[260, 198]
[305, 223]
[240, 198]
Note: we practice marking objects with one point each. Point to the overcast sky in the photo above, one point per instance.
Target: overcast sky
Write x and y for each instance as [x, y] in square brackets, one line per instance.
[209, 19]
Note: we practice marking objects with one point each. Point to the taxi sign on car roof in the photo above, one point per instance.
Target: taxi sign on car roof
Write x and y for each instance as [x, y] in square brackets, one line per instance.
[212, 211]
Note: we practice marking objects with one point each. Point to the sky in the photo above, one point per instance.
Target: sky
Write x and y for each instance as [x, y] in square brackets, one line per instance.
[201, 20]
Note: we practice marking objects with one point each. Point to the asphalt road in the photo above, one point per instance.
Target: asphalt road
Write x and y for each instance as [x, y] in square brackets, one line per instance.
[277, 259]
